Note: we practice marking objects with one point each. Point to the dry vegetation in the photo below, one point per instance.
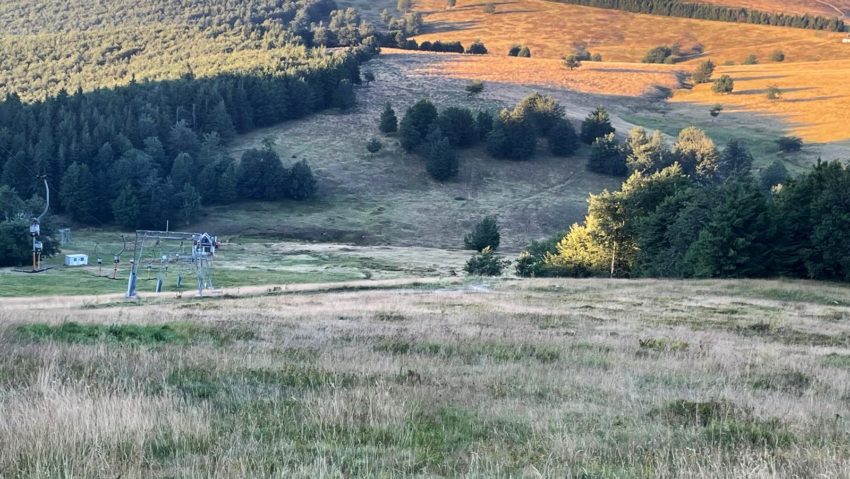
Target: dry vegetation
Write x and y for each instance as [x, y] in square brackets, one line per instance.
[814, 103]
[816, 97]
[544, 378]
[551, 29]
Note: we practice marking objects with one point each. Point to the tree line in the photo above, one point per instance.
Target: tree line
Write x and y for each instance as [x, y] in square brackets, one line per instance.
[716, 221]
[707, 11]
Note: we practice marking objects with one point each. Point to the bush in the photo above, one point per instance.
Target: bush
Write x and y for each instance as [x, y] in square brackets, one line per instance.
[563, 140]
[477, 48]
[572, 62]
[773, 92]
[490, 8]
[302, 183]
[774, 174]
[703, 72]
[484, 235]
[751, 59]
[524, 52]
[514, 50]
[715, 110]
[475, 87]
[389, 121]
[597, 124]
[659, 54]
[777, 56]
[790, 144]
[374, 146]
[485, 263]
[596, 57]
[724, 84]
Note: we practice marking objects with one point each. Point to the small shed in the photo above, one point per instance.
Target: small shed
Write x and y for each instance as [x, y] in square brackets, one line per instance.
[76, 259]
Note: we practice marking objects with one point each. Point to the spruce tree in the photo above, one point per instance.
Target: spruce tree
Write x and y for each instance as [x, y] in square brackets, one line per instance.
[562, 137]
[389, 122]
[441, 162]
[302, 183]
[607, 157]
[77, 192]
[597, 124]
[485, 234]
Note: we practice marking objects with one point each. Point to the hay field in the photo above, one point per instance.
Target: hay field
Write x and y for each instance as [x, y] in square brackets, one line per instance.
[542, 378]
[550, 29]
[815, 96]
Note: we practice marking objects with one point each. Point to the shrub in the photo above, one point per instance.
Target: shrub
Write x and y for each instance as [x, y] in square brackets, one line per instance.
[477, 48]
[524, 52]
[751, 59]
[490, 8]
[474, 87]
[790, 144]
[596, 57]
[484, 235]
[773, 92]
[659, 54]
[368, 77]
[715, 110]
[572, 62]
[514, 50]
[389, 121]
[542, 111]
[703, 72]
[374, 146]
[302, 183]
[485, 263]
[777, 56]
[724, 84]
[774, 174]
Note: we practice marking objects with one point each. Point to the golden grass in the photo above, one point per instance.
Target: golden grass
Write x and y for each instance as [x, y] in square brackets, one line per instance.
[538, 378]
[815, 100]
[550, 29]
[608, 78]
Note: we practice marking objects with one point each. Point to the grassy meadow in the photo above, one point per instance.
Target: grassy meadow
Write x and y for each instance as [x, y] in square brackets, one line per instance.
[538, 378]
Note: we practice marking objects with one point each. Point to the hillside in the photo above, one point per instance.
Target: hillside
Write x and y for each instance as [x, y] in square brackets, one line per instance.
[814, 7]
[499, 379]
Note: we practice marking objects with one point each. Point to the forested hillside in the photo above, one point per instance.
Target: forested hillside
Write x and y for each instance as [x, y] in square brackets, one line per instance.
[196, 74]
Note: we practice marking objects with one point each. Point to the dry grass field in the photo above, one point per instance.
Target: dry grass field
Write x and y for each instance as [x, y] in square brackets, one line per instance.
[541, 378]
[815, 97]
[813, 74]
[551, 29]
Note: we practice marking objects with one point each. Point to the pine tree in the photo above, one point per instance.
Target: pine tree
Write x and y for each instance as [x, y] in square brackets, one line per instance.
[735, 160]
[77, 192]
[458, 126]
[125, 208]
[697, 154]
[182, 171]
[389, 122]
[703, 72]
[597, 124]
[302, 182]
[485, 234]
[607, 157]
[737, 240]
[441, 162]
[563, 140]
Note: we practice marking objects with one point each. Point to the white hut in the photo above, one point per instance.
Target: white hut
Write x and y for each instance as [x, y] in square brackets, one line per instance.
[76, 259]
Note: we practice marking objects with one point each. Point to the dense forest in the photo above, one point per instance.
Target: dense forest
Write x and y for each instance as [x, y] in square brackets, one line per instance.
[140, 153]
[704, 11]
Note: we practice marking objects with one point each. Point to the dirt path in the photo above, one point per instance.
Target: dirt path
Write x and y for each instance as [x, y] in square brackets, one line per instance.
[841, 12]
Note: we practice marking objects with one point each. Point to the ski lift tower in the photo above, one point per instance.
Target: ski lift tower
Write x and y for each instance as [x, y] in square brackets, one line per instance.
[200, 259]
[35, 229]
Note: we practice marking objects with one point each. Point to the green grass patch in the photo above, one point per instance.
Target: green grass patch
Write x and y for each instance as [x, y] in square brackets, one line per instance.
[836, 360]
[72, 332]
[789, 381]
[663, 345]
[769, 434]
[694, 413]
